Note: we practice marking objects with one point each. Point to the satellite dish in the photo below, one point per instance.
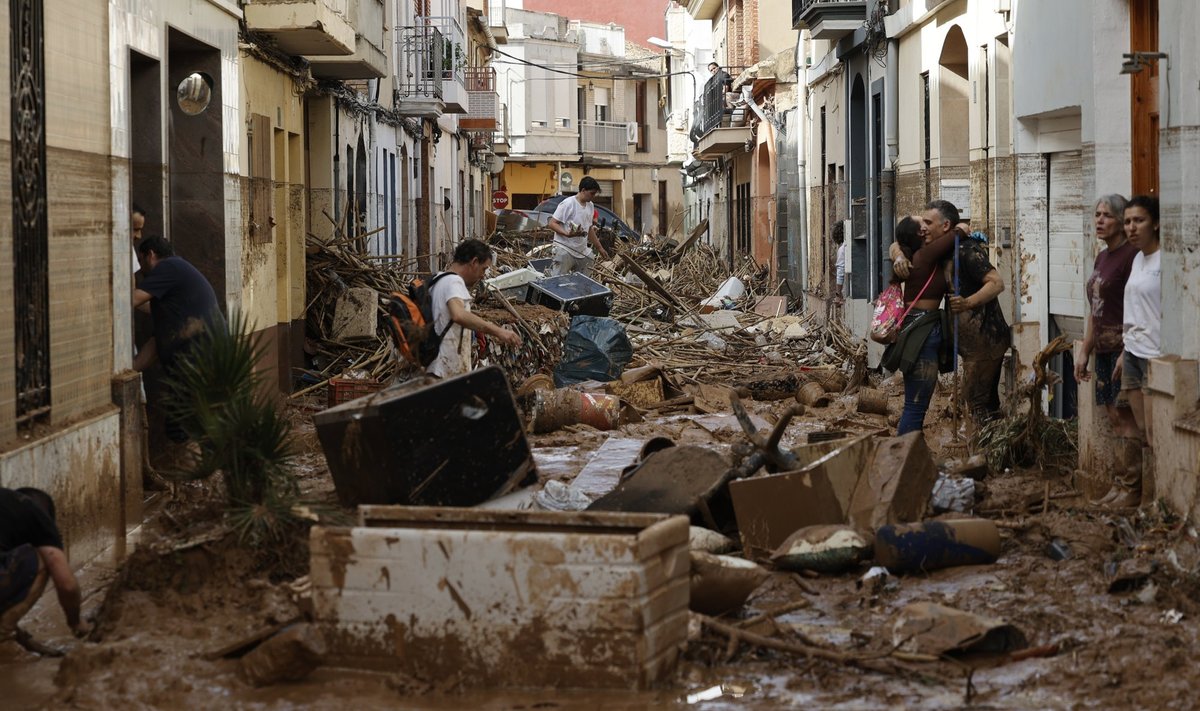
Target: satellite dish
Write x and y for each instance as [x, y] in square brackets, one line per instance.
[495, 164]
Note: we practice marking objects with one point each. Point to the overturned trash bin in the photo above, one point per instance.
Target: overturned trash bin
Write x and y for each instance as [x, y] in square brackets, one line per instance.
[454, 442]
[505, 598]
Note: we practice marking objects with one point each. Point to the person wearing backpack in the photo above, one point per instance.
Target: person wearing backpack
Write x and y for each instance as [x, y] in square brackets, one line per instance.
[450, 294]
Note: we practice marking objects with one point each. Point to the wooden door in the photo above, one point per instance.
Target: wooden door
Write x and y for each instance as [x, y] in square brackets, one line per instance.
[1143, 37]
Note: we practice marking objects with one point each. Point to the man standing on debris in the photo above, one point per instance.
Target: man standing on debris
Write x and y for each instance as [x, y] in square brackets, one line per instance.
[451, 296]
[31, 552]
[574, 226]
[183, 305]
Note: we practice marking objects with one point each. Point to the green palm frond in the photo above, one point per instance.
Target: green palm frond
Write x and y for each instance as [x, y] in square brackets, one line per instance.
[220, 400]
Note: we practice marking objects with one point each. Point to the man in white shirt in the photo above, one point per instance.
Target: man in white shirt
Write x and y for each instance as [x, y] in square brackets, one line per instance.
[574, 226]
[451, 295]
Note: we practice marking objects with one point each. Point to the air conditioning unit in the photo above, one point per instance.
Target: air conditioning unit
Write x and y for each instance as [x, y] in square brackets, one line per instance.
[631, 131]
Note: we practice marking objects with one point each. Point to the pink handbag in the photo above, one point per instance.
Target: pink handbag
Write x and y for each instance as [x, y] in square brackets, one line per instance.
[890, 312]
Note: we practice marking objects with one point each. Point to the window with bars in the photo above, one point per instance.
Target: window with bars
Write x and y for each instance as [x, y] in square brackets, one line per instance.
[31, 265]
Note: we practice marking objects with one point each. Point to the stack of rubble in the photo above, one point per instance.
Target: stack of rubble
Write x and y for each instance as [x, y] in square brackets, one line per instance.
[342, 326]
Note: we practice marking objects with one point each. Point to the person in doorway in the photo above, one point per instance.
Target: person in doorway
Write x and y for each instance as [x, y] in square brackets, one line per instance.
[183, 305]
[574, 226]
[839, 263]
[1141, 339]
[837, 271]
[1106, 312]
[137, 223]
[31, 553]
[924, 289]
[451, 296]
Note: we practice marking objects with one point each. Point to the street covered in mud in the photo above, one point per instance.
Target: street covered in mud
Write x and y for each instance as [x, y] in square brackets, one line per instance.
[719, 515]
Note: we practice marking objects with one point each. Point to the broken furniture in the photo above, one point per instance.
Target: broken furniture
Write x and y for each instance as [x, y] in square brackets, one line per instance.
[453, 442]
[505, 598]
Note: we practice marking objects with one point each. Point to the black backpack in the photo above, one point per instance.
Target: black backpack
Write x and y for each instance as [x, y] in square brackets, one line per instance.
[411, 319]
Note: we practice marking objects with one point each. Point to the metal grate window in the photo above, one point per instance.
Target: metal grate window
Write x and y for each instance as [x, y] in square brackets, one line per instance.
[31, 266]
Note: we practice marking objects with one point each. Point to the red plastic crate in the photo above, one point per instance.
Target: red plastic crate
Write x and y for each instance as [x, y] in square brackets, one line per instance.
[346, 389]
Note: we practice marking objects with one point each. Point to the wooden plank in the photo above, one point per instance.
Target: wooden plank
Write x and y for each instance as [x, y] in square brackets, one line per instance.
[652, 283]
[691, 239]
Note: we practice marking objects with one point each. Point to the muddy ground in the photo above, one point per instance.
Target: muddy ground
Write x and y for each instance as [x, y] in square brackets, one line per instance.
[187, 591]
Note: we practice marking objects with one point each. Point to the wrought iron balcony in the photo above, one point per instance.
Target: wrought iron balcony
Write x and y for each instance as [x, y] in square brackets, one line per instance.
[717, 129]
[420, 53]
[603, 137]
[453, 63]
[483, 103]
[828, 19]
[304, 27]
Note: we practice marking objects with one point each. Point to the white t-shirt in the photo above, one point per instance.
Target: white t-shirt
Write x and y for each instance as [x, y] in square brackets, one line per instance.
[1143, 306]
[454, 357]
[569, 212]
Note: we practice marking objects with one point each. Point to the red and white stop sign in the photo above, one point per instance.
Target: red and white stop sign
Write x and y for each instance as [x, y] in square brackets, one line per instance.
[499, 200]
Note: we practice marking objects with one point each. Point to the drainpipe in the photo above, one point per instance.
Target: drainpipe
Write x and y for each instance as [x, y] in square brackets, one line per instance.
[891, 122]
[487, 32]
[800, 266]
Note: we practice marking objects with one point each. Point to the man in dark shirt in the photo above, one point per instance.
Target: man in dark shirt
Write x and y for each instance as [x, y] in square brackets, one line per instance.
[31, 551]
[984, 336]
[183, 305]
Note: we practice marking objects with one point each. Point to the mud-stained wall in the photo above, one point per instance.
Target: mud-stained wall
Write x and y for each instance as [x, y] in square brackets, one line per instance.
[79, 466]
[821, 250]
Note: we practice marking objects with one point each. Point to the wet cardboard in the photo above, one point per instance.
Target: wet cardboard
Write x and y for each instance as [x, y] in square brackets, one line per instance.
[770, 508]
[675, 480]
[897, 486]
[929, 628]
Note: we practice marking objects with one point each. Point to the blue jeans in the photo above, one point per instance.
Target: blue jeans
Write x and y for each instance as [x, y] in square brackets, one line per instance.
[920, 381]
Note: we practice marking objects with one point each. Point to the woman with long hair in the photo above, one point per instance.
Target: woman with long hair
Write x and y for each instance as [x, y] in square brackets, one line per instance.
[921, 332]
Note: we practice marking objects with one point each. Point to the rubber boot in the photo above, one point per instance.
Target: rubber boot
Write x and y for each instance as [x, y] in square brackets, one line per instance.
[1128, 483]
[1149, 476]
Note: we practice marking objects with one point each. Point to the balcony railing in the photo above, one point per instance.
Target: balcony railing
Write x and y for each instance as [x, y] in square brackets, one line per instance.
[603, 137]
[454, 47]
[710, 109]
[421, 55]
[482, 100]
[495, 12]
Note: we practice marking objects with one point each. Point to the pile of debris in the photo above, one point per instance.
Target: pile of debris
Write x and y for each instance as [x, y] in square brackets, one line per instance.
[342, 327]
[683, 309]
